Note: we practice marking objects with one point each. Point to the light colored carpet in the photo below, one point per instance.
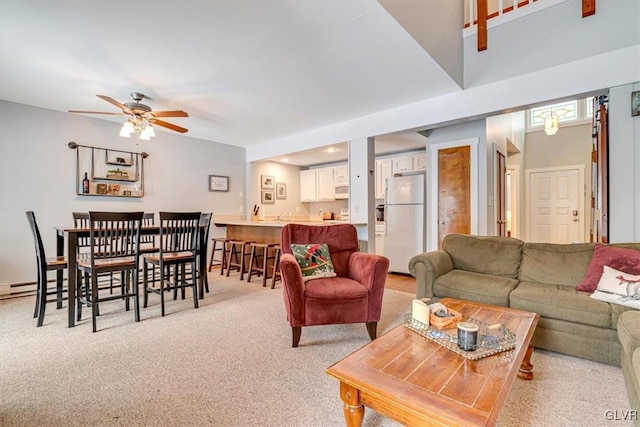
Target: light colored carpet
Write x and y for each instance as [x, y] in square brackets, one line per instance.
[230, 363]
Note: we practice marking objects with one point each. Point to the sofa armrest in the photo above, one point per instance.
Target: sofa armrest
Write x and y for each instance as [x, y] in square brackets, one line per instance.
[426, 268]
[292, 289]
[371, 271]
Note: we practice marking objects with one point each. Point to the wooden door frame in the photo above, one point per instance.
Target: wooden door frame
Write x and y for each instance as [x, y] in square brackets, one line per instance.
[515, 200]
[581, 195]
[496, 151]
[432, 194]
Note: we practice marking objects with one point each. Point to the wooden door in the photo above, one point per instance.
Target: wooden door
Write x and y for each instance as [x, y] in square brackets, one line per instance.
[454, 191]
[501, 194]
[555, 211]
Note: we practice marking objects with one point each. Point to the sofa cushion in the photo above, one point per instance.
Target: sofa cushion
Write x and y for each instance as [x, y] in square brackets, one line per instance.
[498, 256]
[562, 303]
[467, 285]
[555, 264]
[619, 258]
[618, 288]
[629, 331]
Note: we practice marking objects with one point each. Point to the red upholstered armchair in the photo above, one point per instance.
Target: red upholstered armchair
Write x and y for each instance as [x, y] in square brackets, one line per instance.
[354, 296]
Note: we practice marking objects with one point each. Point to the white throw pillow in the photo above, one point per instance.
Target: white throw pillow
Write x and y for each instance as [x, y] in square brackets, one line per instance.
[618, 287]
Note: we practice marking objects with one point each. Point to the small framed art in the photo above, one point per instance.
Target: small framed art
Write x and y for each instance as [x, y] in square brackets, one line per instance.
[281, 190]
[267, 182]
[267, 196]
[218, 183]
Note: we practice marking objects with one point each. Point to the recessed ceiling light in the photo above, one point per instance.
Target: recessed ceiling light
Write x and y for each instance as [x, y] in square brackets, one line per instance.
[285, 160]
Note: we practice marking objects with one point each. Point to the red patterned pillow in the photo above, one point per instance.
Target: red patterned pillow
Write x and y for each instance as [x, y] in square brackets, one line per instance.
[623, 259]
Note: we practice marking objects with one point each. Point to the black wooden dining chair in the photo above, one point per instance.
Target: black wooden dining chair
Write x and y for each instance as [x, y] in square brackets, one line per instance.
[44, 264]
[178, 246]
[81, 220]
[114, 247]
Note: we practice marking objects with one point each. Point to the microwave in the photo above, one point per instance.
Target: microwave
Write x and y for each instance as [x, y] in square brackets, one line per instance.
[341, 192]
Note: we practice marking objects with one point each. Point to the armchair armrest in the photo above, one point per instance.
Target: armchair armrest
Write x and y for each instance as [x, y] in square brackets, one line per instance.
[371, 271]
[426, 268]
[292, 289]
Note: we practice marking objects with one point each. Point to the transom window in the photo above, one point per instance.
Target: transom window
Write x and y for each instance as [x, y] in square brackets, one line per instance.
[566, 111]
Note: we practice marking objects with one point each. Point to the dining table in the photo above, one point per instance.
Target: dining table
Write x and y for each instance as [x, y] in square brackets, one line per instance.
[72, 236]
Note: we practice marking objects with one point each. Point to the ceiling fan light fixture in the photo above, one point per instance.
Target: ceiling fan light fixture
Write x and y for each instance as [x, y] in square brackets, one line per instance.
[126, 130]
[146, 133]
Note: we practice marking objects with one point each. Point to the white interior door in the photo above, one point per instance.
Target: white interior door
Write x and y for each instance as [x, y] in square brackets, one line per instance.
[556, 205]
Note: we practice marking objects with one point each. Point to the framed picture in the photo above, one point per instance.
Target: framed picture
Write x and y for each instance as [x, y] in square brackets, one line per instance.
[267, 196]
[101, 188]
[281, 190]
[218, 183]
[635, 103]
[267, 182]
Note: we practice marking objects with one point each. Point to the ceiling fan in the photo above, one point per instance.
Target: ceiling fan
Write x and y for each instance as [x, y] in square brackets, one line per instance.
[140, 115]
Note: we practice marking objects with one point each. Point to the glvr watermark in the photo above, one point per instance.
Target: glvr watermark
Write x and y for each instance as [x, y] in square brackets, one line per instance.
[621, 415]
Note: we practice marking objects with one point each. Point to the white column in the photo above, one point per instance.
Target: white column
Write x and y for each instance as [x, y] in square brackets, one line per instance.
[362, 189]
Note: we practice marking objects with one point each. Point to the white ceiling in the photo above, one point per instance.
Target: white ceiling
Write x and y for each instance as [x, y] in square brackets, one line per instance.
[245, 71]
[334, 153]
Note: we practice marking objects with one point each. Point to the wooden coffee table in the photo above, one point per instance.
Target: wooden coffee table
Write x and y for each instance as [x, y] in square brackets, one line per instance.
[415, 381]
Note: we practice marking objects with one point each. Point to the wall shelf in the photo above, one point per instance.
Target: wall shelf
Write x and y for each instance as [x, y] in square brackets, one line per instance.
[97, 163]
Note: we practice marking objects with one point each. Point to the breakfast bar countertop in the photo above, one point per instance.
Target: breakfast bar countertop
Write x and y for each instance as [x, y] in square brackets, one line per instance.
[274, 223]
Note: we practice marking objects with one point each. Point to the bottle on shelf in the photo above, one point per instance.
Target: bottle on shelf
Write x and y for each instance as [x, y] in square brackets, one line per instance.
[85, 184]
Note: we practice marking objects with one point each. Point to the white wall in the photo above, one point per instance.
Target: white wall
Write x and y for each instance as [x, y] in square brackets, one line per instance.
[555, 36]
[290, 175]
[624, 166]
[436, 27]
[37, 172]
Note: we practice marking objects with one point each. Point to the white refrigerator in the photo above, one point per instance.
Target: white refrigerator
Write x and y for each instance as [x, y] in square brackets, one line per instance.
[404, 217]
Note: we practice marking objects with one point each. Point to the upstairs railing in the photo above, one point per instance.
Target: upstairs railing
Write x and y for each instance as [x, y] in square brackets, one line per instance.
[477, 12]
[494, 8]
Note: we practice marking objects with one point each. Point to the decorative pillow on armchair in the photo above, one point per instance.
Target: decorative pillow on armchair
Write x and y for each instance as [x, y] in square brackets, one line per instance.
[623, 259]
[314, 260]
[618, 288]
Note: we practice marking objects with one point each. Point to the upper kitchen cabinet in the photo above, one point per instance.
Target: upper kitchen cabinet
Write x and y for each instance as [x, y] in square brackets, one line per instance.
[402, 164]
[383, 171]
[308, 185]
[324, 184]
[420, 162]
[316, 185]
[341, 175]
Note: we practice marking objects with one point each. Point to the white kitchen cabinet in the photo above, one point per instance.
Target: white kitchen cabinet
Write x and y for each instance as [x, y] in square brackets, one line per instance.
[341, 175]
[380, 238]
[383, 171]
[308, 185]
[325, 189]
[420, 162]
[402, 164]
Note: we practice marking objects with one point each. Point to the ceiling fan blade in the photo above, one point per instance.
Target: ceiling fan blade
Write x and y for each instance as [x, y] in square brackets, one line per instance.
[178, 113]
[168, 125]
[116, 103]
[97, 112]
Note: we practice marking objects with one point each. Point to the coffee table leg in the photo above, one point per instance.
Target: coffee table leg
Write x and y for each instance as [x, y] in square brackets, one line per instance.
[353, 409]
[526, 368]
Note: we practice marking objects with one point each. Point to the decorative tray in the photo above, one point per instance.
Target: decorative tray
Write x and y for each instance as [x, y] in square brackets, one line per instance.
[491, 339]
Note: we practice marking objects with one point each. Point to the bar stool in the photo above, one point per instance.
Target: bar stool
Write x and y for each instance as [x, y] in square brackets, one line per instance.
[225, 251]
[276, 266]
[236, 256]
[253, 259]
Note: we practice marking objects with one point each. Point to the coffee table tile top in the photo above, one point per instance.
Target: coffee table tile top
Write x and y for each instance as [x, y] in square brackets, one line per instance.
[414, 380]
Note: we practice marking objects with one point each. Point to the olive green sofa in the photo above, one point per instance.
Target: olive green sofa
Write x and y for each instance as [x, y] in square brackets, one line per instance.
[629, 334]
[537, 277]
